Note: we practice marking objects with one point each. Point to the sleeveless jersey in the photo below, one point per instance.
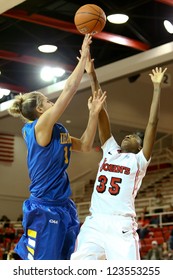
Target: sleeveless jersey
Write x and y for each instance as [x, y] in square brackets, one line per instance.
[47, 165]
[118, 180]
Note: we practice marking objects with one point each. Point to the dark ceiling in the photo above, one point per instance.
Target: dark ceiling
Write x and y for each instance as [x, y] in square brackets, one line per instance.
[35, 22]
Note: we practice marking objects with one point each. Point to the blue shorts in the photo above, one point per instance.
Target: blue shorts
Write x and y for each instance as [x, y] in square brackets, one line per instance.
[50, 230]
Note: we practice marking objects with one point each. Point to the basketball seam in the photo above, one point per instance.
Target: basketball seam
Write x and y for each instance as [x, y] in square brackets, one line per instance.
[97, 15]
[95, 25]
[92, 7]
[97, 20]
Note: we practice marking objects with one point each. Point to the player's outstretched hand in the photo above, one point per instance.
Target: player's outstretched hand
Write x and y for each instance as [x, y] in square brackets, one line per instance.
[85, 49]
[96, 102]
[157, 75]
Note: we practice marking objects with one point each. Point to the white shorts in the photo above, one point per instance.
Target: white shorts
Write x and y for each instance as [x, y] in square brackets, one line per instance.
[110, 237]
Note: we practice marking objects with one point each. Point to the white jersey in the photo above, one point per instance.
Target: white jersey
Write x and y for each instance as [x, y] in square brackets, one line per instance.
[118, 180]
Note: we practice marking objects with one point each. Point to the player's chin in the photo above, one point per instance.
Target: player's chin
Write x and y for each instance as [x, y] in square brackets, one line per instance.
[125, 144]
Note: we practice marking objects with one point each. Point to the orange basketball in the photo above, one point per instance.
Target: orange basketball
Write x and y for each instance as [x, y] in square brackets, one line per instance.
[90, 18]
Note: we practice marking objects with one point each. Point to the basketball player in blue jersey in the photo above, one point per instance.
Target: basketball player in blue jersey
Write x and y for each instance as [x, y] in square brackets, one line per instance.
[50, 219]
[110, 231]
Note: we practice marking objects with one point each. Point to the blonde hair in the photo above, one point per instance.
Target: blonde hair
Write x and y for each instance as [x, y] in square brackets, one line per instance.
[24, 105]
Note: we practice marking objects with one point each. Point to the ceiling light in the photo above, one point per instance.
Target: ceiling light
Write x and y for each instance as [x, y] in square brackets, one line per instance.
[50, 73]
[47, 48]
[58, 72]
[168, 26]
[46, 74]
[118, 18]
[4, 92]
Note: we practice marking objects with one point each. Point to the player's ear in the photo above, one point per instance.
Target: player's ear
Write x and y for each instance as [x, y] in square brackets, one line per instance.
[39, 109]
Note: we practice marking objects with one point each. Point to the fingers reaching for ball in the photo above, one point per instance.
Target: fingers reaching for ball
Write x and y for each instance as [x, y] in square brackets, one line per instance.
[85, 49]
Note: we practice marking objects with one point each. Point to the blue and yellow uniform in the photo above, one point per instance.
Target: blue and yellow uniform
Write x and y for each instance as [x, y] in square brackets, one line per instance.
[50, 219]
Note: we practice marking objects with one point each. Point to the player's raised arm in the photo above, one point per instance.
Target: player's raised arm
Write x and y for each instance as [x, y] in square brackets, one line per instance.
[50, 117]
[151, 128]
[103, 122]
[85, 143]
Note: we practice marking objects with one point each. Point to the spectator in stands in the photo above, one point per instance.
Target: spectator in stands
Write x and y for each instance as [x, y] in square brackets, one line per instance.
[5, 220]
[10, 232]
[2, 233]
[143, 226]
[168, 218]
[171, 241]
[158, 201]
[20, 218]
[154, 220]
[154, 253]
[145, 210]
[165, 252]
[11, 254]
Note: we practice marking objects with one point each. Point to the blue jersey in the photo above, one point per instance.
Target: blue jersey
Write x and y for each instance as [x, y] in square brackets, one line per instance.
[50, 220]
[47, 165]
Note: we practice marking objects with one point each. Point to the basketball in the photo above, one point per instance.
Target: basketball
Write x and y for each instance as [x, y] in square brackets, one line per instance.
[90, 19]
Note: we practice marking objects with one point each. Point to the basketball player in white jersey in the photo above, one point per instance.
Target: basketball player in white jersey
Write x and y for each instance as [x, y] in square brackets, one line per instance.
[110, 232]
